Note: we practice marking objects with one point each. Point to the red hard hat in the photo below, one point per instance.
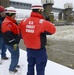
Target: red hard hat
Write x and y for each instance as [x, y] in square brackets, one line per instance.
[2, 8]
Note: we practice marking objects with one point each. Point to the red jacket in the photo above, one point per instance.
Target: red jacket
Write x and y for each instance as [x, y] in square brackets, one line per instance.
[10, 31]
[34, 30]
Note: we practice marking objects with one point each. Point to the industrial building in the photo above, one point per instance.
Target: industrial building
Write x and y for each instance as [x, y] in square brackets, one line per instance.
[5, 3]
[16, 4]
[57, 12]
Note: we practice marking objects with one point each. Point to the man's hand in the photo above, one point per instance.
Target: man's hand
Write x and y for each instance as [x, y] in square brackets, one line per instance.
[15, 46]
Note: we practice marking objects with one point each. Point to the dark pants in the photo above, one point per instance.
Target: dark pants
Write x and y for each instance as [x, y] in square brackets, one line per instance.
[38, 58]
[14, 57]
[3, 47]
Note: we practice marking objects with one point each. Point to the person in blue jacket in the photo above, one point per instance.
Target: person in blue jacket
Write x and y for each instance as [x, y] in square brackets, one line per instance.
[3, 47]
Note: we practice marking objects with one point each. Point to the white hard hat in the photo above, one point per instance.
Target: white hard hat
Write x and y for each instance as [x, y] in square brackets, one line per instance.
[37, 6]
[11, 10]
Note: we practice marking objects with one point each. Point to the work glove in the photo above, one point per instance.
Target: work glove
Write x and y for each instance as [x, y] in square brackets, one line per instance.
[15, 46]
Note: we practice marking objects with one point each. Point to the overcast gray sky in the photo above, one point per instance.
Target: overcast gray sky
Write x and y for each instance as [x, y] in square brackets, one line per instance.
[57, 3]
[60, 3]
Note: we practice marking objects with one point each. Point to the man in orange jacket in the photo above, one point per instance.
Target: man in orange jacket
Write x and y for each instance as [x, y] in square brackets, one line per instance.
[11, 38]
[34, 30]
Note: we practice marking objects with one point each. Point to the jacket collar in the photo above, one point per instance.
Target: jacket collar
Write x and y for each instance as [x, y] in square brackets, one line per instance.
[11, 19]
[34, 14]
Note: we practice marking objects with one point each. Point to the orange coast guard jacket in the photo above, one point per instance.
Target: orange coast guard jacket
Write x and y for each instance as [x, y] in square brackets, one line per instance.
[34, 30]
[10, 31]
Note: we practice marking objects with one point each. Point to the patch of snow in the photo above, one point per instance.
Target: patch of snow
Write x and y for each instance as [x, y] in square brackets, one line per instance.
[52, 68]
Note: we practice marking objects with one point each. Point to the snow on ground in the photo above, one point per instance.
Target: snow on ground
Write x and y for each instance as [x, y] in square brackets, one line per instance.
[52, 68]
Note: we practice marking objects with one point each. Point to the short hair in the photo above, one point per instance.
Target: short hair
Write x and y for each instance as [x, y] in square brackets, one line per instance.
[10, 14]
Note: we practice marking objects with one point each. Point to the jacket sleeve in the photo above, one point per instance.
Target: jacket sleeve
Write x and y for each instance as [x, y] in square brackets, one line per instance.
[0, 25]
[19, 26]
[49, 28]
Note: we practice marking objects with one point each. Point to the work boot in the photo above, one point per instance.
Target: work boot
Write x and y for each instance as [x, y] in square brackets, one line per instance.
[18, 66]
[13, 71]
[5, 58]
